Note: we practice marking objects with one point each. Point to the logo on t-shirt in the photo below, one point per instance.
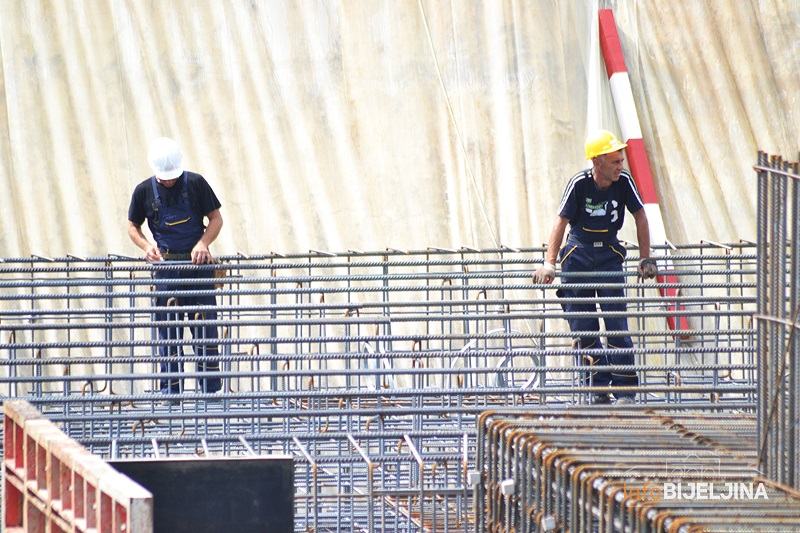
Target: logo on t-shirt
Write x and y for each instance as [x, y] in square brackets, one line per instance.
[600, 209]
[596, 210]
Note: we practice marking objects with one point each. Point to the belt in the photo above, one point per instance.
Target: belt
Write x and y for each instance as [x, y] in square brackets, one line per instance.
[169, 256]
[594, 244]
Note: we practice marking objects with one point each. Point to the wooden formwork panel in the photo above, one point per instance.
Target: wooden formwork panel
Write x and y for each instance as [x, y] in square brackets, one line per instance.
[52, 484]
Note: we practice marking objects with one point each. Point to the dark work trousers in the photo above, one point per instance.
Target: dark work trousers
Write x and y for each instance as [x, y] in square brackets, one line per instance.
[597, 257]
[175, 385]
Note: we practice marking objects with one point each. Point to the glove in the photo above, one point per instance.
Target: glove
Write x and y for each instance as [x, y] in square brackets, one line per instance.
[648, 268]
[545, 274]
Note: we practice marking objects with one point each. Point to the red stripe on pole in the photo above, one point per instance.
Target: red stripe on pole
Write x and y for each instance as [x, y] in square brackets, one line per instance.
[674, 322]
[610, 44]
[640, 168]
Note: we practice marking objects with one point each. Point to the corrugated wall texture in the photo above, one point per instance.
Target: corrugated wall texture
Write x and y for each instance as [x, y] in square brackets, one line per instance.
[362, 124]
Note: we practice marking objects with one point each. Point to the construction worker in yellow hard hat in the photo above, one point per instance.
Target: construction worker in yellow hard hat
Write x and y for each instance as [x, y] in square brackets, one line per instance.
[594, 205]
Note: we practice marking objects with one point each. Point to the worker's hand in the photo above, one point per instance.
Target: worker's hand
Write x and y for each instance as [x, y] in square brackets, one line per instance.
[648, 268]
[153, 253]
[545, 274]
[201, 254]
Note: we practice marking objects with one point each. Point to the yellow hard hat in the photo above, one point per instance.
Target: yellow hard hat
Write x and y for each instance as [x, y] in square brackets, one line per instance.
[602, 142]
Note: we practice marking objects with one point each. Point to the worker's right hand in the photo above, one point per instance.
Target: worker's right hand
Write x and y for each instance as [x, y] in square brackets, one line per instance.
[153, 253]
[648, 268]
[545, 274]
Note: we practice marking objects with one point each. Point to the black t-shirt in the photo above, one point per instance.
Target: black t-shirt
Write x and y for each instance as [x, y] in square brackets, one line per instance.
[595, 214]
[201, 198]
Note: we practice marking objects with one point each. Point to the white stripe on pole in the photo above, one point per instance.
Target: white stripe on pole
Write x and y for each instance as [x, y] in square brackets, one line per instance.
[626, 107]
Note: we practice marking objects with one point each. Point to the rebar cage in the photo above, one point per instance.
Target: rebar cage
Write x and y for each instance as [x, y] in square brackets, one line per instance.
[370, 368]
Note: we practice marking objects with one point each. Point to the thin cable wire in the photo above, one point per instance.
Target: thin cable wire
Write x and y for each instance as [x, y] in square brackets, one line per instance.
[456, 125]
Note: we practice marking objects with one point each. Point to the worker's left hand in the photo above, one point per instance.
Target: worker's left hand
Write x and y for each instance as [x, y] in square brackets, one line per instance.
[545, 274]
[648, 268]
[201, 254]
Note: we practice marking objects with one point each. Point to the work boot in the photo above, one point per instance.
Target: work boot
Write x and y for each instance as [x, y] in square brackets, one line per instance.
[600, 399]
[625, 400]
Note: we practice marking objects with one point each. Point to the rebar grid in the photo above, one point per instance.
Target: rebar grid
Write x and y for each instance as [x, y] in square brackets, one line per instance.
[778, 311]
[371, 369]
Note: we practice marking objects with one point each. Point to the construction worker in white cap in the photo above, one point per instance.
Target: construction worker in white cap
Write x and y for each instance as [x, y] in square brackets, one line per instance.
[175, 203]
[593, 205]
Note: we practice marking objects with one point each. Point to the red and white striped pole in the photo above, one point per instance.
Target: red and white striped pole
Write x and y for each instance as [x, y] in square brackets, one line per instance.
[637, 156]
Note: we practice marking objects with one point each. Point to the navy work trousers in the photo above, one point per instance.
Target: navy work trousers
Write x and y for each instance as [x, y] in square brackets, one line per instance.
[174, 385]
[586, 257]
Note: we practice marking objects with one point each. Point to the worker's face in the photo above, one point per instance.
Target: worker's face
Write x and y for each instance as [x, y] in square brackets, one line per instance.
[167, 183]
[609, 166]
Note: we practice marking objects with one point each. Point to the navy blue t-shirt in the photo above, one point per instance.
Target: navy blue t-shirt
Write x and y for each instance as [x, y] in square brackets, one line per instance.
[201, 198]
[596, 214]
